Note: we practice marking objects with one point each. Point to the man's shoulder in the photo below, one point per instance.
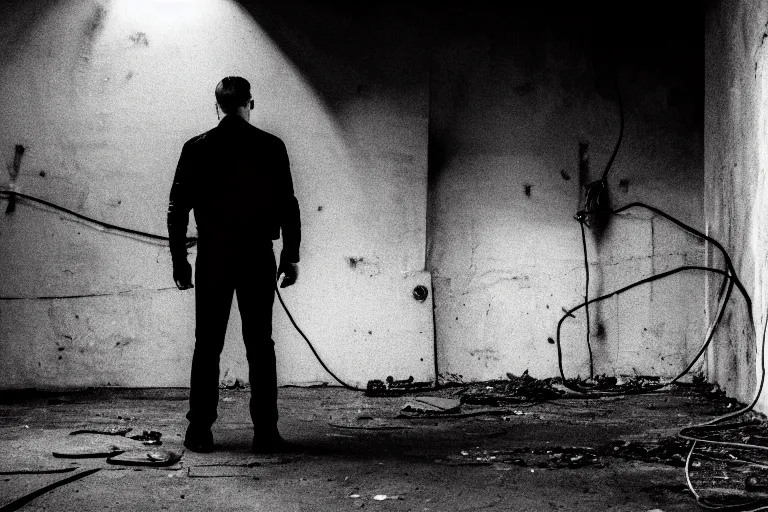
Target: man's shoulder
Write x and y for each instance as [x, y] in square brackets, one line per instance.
[197, 139]
[265, 136]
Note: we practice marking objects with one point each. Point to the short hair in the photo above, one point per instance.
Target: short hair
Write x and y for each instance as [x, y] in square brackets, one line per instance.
[233, 92]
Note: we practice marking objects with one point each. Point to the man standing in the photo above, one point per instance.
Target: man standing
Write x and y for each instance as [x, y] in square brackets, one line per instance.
[237, 180]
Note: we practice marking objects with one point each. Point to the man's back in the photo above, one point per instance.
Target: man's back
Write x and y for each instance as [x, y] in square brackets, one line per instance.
[237, 180]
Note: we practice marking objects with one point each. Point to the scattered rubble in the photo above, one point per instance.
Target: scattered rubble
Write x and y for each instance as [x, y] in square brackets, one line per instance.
[432, 404]
[149, 438]
[562, 457]
[367, 423]
[512, 391]
[392, 387]
[671, 451]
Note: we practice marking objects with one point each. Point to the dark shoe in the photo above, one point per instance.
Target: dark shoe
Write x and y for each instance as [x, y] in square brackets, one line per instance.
[199, 441]
[272, 444]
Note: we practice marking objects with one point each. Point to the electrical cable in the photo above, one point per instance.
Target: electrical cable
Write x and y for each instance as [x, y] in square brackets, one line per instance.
[731, 279]
[87, 295]
[80, 216]
[760, 503]
[699, 234]
[311, 347]
[586, 299]
[621, 129]
[595, 197]
[652, 278]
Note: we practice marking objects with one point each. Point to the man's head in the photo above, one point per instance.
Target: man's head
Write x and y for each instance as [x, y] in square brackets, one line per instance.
[233, 95]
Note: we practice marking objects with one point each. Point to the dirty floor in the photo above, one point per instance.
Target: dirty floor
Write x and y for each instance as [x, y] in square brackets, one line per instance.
[357, 452]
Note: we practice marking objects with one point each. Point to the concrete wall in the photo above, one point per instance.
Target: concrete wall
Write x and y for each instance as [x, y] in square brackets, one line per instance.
[102, 94]
[735, 193]
[463, 121]
[515, 92]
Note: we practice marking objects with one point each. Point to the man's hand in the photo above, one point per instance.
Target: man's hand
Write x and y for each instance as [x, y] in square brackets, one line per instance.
[290, 271]
[182, 274]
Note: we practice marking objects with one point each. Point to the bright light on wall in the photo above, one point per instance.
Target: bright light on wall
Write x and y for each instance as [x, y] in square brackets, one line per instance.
[165, 8]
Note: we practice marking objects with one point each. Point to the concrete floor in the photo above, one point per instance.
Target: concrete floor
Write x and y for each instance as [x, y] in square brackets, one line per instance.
[354, 448]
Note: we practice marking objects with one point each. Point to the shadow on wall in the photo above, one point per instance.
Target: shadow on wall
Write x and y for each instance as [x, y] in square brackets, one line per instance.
[348, 49]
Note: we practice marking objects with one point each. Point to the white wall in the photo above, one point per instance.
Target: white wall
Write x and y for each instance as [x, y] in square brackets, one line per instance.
[511, 103]
[103, 94]
[735, 195]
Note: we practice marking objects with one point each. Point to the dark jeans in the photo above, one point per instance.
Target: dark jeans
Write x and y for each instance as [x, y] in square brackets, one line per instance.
[218, 275]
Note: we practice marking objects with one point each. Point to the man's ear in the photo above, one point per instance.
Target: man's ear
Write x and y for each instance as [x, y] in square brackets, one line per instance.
[251, 104]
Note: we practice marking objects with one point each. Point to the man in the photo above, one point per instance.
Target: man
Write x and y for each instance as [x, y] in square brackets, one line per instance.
[237, 180]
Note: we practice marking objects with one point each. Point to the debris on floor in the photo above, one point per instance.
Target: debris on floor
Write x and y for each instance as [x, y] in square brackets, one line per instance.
[237, 384]
[670, 451]
[149, 438]
[370, 424]
[392, 387]
[514, 390]
[382, 497]
[156, 458]
[115, 431]
[562, 457]
[344, 462]
[432, 404]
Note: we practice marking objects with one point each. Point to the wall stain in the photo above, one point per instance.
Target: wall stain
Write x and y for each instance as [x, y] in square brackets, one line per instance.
[139, 39]
[527, 189]
[624, 185]
[93, 27]
[364, 266]
[484, 354]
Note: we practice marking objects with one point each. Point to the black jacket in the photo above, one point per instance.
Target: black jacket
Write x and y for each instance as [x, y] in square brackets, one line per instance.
[237, 180]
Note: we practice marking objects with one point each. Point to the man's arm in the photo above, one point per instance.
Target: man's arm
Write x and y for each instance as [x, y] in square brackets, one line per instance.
[290, 222]
[179, 205]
